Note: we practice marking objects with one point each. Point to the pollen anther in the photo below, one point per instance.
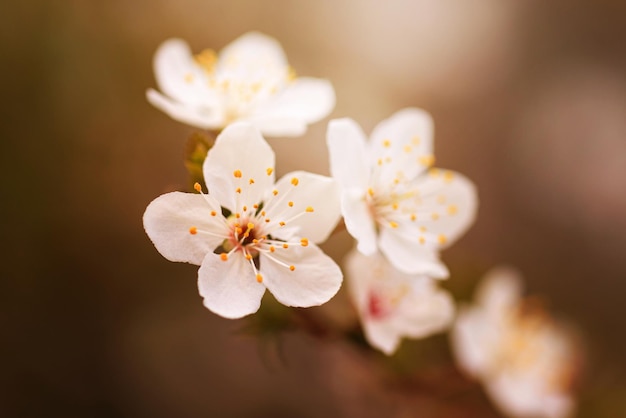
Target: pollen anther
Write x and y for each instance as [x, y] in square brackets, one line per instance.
[292, 268]
[269, 171]
[197, 187]
[193, 230]
[237, 173]
[224, 256]
[309, 209]
[295, 181]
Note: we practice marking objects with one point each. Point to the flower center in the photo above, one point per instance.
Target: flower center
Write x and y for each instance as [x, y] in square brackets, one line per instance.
[241, 83]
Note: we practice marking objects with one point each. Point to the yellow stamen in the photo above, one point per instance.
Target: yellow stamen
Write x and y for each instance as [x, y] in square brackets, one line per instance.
[309, 209]
[386, 143]
[224, 256]
[248, 257]
[275, 192]
[193, 230]
[251, 181]
[295, 181]
[269, 171]
[442, 239]
[259, 278]
[238, 189]
[304, 242]
[237, 173]
[292, 268]
[281, 223]
[213, 213]
[197, 187]
[393, 224]
[290, 204]
[285, 245]
[272, 248]
[452, 210]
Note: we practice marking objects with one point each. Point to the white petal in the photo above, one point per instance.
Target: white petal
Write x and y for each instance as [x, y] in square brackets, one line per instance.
[168, 220]
[519, 396]
[406, 138]
[315, 280]
[306, 100]
[240, 149]
[180, 77]
[359, 221]
[410, 257]
[447, 208]
[251, 50]
[348, 155]
[229, 288]
[382, 336]
[500, 290]
[319, 193]
[278, 126]
[474, 341]
[200, 116]
[425, 311]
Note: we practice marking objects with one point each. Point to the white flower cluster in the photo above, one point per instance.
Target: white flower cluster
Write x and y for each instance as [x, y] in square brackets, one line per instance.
[249, 232]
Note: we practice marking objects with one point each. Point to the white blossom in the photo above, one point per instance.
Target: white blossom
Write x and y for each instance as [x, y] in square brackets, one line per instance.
[392, 199]
[525, 359]
[248, 234]
[249, 80]
[392, 305]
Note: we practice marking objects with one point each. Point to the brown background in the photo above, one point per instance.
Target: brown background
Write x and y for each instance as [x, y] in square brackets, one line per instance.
[529, 100]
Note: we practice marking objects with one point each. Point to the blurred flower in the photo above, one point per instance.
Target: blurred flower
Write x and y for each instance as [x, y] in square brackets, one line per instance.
[249, 80]
[389, 199]
[525, 359]
[392, 304]
[249, 234]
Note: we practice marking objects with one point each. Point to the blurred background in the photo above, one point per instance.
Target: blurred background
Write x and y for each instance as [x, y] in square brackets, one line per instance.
[529, 101]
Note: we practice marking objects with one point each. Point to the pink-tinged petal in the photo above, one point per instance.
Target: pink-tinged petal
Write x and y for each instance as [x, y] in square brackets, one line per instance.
[315, 279]
[181, 226]
[307, 203]
[348, 154]
[359, 221]
[229, 288]
[239, 168]
[250, 50]
[402, 144]
[305, 100]
[201, 116]
[447, 208]
[181, 78]
[409, 256]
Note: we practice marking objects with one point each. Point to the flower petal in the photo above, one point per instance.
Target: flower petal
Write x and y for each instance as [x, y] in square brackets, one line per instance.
[305, 100]
[425, 311]
[382, 336]
[404, 144]
[239, 160]
[474, 341]
[446, 207]
[180, 77]
[169, 218]
[252, 50]
[500, 290]
[348, 154]
[409, 256]
[315, 279]
[317, 193]
[358, 219]
[229, 288]
[200, 116]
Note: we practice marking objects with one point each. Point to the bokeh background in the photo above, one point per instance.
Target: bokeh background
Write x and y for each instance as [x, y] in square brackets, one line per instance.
[529, 101]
